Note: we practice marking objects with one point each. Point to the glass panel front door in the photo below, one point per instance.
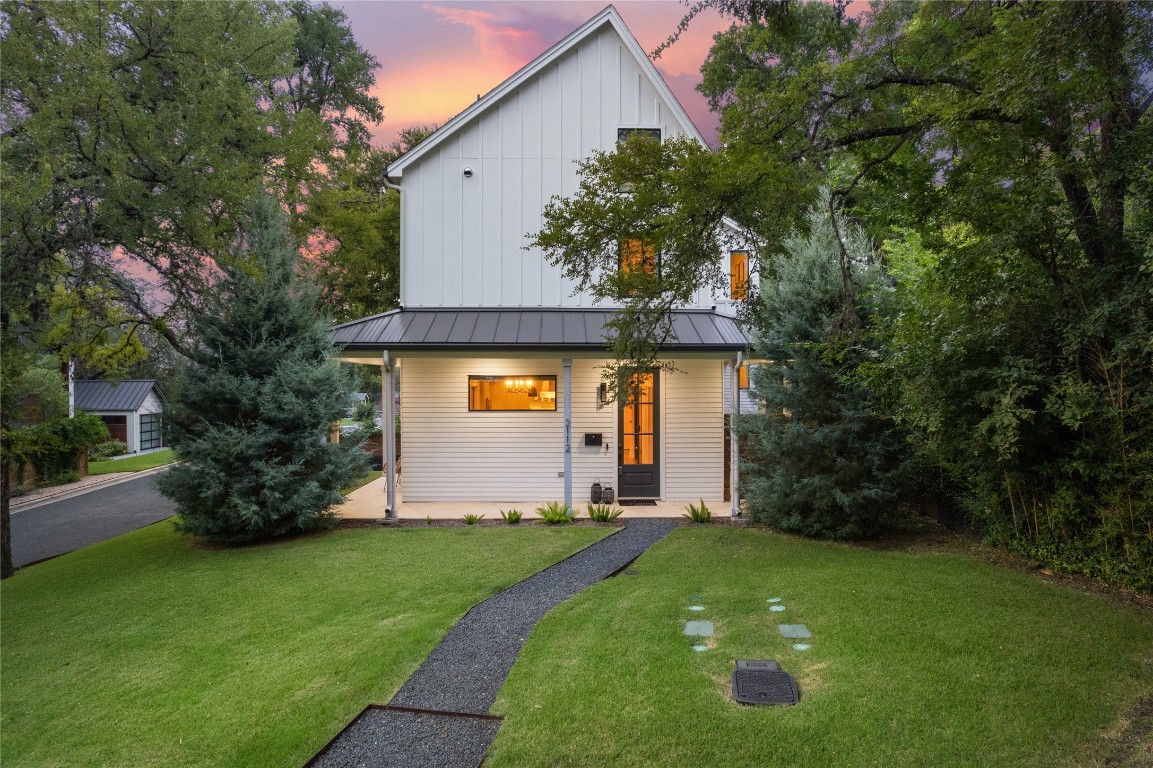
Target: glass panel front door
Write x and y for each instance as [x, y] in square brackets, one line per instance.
[639, 463]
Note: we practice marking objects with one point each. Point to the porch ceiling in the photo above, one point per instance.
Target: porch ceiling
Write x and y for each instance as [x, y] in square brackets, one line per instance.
[532, 329]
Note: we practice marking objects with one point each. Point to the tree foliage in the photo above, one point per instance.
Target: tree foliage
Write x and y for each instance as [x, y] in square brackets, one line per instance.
[819, 459]
[353, 230]
[641, 192]
[250, 417]
[1002, 154]
[133, 134]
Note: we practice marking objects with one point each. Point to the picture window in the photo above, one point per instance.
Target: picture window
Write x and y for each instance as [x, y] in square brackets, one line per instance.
[517, 392]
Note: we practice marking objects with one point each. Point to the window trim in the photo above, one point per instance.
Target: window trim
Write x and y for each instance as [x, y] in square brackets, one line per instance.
[624, 133]
[495, 378]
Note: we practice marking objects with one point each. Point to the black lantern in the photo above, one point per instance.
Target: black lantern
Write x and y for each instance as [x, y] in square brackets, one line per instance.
[595, 493]
[608, 495]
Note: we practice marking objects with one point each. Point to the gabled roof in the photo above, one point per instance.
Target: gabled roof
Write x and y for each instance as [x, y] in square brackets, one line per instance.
[112, 396]
[693, 330]
[607, 17]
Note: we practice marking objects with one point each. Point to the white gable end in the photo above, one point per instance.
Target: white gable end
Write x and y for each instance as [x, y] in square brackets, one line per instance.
[474, 189]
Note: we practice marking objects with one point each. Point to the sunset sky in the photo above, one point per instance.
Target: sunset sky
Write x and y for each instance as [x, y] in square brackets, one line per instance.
[436, 57]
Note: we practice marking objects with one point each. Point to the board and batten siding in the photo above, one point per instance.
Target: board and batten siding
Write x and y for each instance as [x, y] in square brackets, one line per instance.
[453, 454]
[463, 237]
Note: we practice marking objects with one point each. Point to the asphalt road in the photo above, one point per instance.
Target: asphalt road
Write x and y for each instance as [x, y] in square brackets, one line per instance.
[69, 524]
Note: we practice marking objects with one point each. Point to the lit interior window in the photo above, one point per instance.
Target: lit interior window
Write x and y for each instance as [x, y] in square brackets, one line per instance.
[638, 256]
[515, 392]
[739, 275]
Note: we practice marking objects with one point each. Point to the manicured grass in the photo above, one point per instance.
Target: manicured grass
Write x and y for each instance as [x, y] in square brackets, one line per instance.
[917, 659]
[361, 481]
[132, 463]
[148, 650]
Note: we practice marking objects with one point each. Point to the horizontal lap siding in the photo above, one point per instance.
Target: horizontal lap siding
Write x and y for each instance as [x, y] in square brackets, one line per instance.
[694, 431]
[451, 453]
[591, 464]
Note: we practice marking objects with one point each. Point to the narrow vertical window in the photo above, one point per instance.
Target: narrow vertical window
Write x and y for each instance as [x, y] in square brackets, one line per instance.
[739, 275]
[743, 376]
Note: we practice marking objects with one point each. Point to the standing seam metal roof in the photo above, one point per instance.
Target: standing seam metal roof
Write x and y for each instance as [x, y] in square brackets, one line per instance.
[109, 396]
[463, 329]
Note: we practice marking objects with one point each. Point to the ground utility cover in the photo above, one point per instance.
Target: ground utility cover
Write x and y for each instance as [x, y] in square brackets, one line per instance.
[763, 682]
[699, 628]
[764, 686]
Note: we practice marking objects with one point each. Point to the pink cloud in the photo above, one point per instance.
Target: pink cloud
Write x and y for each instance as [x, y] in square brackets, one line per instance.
[436, 57]
[509, 37]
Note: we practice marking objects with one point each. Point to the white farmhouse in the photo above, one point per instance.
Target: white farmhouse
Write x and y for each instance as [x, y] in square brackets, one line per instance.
[501, 385]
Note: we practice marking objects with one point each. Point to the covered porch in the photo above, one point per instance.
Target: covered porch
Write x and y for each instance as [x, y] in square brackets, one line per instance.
[452, 452]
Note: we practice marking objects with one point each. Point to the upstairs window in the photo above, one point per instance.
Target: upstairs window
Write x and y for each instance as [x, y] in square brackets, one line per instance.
[624, 134]
[638, 257]
[739, 275]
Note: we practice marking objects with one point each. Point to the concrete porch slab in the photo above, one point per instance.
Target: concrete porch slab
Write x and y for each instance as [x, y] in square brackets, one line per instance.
[367, 503]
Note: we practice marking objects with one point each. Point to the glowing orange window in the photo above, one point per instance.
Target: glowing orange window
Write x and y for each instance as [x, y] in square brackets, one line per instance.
[739, 275]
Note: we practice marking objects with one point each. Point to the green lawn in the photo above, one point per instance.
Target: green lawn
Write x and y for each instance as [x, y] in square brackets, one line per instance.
[923, 659]
[148, 650]
[132, 463]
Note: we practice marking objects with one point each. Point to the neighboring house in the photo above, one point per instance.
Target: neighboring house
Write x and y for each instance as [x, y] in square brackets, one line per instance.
[358, 399]
[501, 360]
[130, 409]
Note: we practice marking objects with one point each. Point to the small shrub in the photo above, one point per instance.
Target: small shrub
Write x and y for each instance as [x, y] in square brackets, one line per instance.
[603, 513]
[556, 513]
[472, 518]
[107, 449]
[698, 514]
[428, 520]
[63, 478]
[512, 517]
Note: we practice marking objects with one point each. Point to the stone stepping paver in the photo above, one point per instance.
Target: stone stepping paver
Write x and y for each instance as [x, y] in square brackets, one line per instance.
[464, 673]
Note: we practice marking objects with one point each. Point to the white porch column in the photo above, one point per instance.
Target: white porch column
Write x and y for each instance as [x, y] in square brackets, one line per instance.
[567, 363]
[388, 435]
[734, 442]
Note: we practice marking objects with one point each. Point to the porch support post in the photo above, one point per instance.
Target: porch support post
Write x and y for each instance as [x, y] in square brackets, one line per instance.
[388, 434]
[567, 363]
[734, 443]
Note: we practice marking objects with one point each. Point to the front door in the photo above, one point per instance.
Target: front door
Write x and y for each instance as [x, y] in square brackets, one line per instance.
[638, 452]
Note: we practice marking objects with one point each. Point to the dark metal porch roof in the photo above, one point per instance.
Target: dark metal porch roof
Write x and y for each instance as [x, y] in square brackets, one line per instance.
[694, 330]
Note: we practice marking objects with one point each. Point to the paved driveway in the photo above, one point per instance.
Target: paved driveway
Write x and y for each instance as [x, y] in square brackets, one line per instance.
[69, 524]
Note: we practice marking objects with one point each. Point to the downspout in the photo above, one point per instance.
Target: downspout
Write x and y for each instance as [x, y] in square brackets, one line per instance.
[734, 443]
[389, 185]
[388, 435]
[387, 417]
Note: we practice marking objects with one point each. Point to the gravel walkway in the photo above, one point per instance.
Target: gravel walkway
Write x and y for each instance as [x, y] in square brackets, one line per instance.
[465, 672]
